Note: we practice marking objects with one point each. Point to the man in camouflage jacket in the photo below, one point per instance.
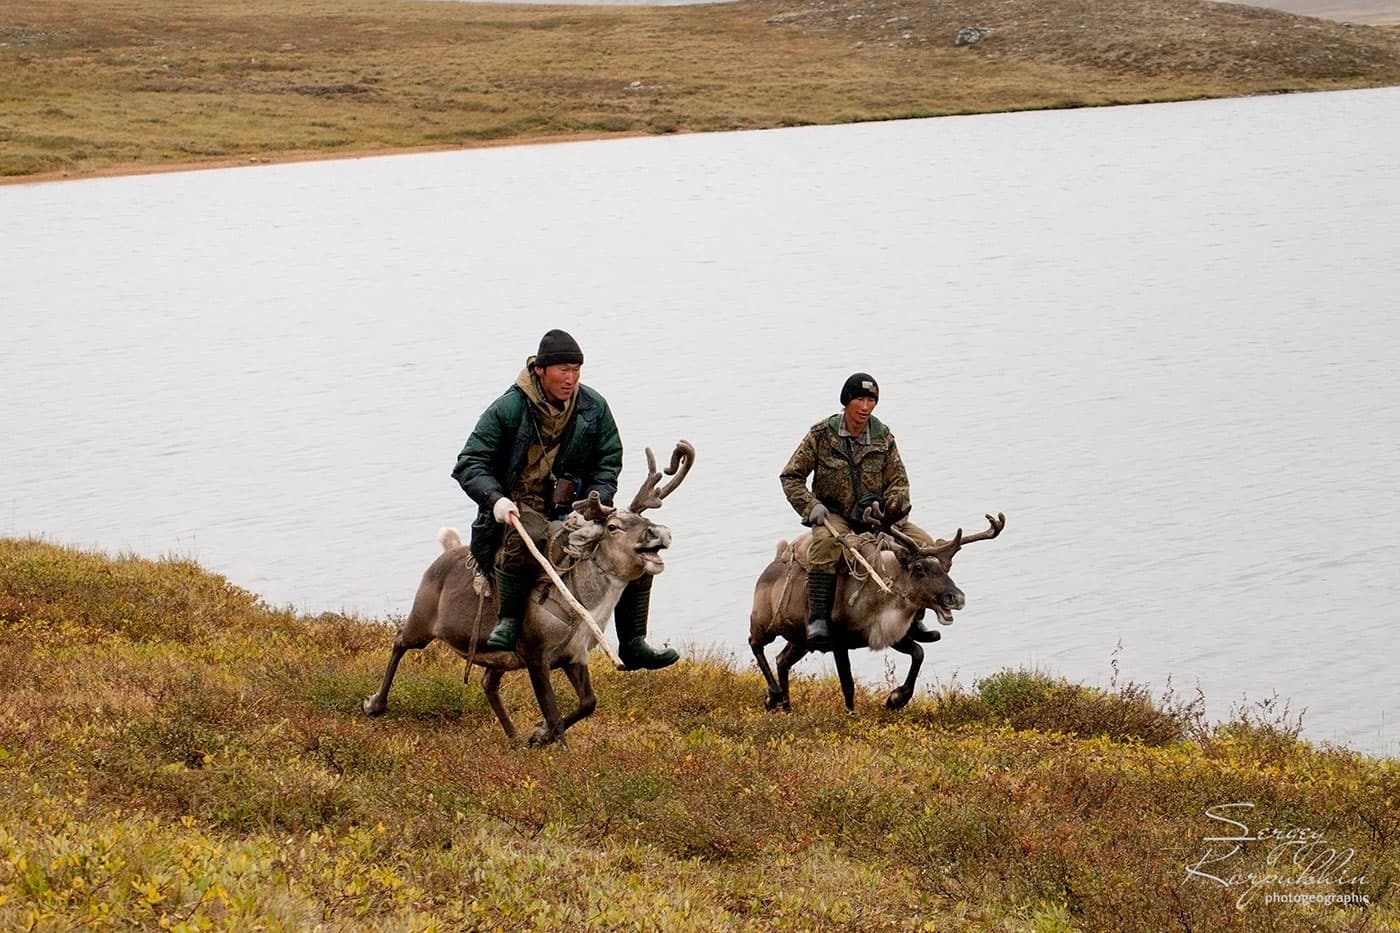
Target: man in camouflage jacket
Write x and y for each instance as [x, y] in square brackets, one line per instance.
[548, 441]
[854, 462]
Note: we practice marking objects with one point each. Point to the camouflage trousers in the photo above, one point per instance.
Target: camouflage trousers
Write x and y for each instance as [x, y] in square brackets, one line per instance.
[825, 553]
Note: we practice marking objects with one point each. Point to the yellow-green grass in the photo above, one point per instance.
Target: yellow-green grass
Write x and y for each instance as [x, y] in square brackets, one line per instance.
[175, 753]
[91, 86]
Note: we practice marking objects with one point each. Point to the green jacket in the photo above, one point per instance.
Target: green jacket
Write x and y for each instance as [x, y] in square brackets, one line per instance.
[590, 451]
[838, 480]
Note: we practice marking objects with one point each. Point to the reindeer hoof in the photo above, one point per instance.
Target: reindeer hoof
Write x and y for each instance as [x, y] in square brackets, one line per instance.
[373, 706]
[543, 735]
[898, 699]
[541, 741]
[773, 701]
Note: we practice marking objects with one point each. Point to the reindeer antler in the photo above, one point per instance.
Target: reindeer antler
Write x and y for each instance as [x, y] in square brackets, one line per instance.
[943, 550]
[593, 508]
[946, 550]
[913, 546]
[650, 496]
[995, 525]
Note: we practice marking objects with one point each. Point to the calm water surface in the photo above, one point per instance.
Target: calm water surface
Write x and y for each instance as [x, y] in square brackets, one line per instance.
[1161, 339]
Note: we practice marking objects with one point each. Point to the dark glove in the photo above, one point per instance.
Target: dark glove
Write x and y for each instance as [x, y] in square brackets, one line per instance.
[818, 516]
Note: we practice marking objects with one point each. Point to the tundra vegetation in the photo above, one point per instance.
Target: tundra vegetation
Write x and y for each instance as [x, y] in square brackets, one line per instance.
[176, 753]
[90, 86]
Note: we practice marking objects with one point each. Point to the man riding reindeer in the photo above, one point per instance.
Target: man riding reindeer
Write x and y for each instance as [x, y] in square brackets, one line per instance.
[548, 441]
[854, 464]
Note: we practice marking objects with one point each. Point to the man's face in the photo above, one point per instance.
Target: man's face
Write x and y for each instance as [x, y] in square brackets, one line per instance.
[858, 412]
[558, 381]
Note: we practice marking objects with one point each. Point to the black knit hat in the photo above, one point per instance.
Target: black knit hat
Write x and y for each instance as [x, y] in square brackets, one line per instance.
[858, 384]
[557, 347]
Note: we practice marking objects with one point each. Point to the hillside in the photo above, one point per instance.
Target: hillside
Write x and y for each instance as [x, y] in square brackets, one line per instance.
[93, 86]
[176, 754]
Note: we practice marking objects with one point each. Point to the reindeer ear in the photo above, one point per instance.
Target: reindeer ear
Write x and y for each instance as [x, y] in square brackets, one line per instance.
[581, 536]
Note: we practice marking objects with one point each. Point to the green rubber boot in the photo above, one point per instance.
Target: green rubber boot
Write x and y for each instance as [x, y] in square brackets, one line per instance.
[821, 592]
[512, 593]
[631, 618]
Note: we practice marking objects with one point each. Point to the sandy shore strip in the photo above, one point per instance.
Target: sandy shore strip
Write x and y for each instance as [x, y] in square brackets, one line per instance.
[283, 158]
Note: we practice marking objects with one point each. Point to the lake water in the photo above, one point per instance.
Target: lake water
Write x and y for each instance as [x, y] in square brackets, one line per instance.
[1161, 339]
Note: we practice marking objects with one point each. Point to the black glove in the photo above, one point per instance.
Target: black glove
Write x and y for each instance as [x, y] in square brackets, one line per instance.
[857, 518]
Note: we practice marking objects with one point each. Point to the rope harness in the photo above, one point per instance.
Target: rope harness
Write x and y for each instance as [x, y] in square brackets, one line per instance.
[857, 574]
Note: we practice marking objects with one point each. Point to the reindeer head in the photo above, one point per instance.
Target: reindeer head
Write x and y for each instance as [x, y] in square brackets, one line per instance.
[923, 579]
[926, 569]
[624, 542]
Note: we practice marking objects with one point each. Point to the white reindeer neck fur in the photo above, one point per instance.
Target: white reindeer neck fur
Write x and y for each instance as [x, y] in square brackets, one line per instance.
[887, 624]
[594, 587]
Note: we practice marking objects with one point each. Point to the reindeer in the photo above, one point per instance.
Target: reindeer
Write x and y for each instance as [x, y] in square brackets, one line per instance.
[607, 548]
[864, 615]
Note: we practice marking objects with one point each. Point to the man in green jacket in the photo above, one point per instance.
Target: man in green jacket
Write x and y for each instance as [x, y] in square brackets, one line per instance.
[548, 441]
[854, 462]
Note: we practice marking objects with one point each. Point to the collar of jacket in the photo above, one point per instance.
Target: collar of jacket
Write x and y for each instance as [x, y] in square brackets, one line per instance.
[875, 425]
[585, 409]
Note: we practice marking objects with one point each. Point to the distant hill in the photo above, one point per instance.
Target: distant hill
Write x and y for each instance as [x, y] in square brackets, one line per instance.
[107, 86]
[1365, 12]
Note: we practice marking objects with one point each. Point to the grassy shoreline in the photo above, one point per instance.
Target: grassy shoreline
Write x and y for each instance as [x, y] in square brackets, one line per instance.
[176, 753]
[102, 86]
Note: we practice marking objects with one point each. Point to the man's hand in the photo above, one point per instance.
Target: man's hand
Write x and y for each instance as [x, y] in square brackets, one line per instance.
[503, 509]
[818, 516]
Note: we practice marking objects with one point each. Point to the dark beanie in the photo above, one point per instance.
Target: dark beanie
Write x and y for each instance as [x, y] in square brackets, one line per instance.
[557, 347]
[858, 384]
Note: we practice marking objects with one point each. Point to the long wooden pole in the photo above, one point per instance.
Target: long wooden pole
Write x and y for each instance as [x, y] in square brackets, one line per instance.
[558, 581]
[857, 555]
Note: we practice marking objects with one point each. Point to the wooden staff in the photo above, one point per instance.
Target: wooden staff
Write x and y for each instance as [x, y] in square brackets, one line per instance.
[577, 606]
[857, 555]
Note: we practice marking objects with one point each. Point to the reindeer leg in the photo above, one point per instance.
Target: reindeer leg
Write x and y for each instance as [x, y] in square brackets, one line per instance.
[376, 704]
[790, 655]
[416, 633]
[583, 686]
[491, 683]
[775, 694]
[900, 696]
[548, 731]
[842, 656]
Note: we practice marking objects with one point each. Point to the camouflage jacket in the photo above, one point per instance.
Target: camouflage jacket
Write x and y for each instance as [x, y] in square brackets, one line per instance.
[838, 480]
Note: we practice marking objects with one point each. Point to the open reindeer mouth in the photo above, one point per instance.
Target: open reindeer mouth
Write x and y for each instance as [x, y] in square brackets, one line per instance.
[946, 603]
[649, 550]
[657, 539]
